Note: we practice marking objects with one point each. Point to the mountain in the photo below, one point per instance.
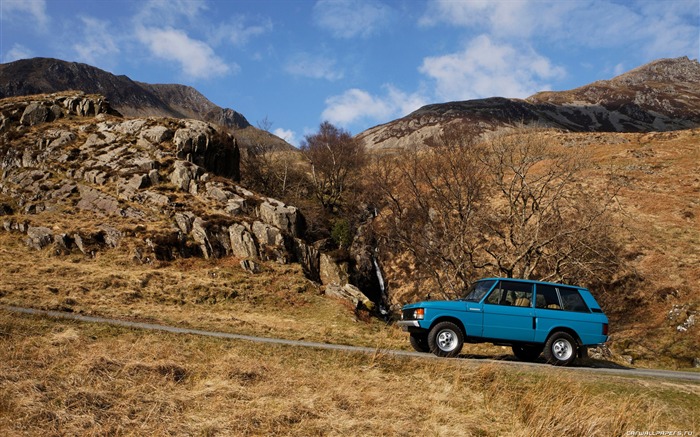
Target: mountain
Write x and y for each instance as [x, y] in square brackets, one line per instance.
[663, 95]
[131, 98]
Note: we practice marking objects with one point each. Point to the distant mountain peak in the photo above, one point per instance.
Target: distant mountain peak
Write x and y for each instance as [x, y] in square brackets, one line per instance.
[663, 95]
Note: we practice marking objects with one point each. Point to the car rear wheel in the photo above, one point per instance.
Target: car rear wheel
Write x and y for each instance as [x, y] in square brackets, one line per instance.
[445, 339]
[561, 349]
[420, 342]
[527, 353]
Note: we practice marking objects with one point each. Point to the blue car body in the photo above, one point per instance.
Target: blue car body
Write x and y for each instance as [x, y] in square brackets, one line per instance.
[510, 311]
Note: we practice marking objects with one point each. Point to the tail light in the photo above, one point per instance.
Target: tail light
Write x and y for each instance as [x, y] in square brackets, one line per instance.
[605, 329]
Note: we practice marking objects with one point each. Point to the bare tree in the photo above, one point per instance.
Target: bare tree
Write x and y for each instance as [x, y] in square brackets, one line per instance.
[335, 158]
[432, 197]
[546, 221]
[514, 205]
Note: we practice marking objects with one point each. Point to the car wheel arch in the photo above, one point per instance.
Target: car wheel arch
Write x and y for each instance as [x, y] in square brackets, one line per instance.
[569, 331]
[454, 320]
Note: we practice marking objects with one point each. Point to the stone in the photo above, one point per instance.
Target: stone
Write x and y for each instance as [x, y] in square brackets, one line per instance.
[157, 134]
[351, 293]
[250, 265]
[97, 201]
[242, 242]
[183, 174]
[201, 237]
[281, 216]
[332, 271]
[39, 237]
[308, 256]
[35, 113]
[184, 221]
[267, 235]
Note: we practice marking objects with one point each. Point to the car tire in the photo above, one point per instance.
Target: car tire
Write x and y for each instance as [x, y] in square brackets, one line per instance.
[560, 349]
[420, 342]
[527, 353]
[445, 339]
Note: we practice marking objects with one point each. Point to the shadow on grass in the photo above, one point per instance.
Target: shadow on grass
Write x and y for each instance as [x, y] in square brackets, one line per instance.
[592, 363]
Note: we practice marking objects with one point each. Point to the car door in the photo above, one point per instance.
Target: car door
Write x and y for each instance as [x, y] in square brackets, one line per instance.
[508, 312]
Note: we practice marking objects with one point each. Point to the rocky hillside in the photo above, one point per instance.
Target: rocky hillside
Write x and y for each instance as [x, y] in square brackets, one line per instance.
[76, 177]
[130, 98]
[661, 96]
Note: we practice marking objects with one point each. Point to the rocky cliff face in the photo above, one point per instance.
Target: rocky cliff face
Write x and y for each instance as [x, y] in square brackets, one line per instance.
[661, 96]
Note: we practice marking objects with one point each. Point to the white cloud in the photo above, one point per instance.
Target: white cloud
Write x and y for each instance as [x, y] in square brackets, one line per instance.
[355, 104]
[196, 58]
[238, 33]
[18, 51]
[168, 13]
[351, 18]
[98, 43]
[287, 135]
[486, 69]
[507, 18]
[10, 9]
[315, 67]
[667, 28]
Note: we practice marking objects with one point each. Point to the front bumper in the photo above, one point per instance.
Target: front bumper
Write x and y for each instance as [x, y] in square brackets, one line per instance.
[405, 324]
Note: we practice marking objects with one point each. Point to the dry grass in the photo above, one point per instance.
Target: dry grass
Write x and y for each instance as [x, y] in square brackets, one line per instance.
[206, 294]
[67, 378]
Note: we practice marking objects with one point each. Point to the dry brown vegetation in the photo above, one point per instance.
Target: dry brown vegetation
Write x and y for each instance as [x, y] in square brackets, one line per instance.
[654, 226]
[205, 294]
[68, 378]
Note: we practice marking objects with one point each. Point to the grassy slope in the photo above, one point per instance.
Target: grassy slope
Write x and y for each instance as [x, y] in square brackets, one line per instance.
[67, 378]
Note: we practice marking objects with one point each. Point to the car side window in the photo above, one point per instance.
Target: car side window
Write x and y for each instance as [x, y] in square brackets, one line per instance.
[511, 294]
[547, 297]
[572, 300]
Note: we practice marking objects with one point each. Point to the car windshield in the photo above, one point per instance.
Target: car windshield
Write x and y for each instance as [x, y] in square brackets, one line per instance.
[478, 289]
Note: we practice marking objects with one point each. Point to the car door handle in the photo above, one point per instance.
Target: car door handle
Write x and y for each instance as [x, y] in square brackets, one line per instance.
[475, 309]
[534, 323]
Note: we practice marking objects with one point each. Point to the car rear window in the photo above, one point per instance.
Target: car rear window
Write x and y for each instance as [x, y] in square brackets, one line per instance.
[572, 300]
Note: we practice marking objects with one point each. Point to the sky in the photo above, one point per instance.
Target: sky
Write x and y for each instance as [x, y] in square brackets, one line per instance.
[291, 64]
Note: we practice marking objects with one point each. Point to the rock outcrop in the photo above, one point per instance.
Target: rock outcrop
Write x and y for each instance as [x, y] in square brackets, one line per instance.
[72, 152]
[75, 176]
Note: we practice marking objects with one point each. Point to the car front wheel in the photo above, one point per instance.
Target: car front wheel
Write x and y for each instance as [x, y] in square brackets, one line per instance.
[420, 342]
[560, 349]
[445, 339]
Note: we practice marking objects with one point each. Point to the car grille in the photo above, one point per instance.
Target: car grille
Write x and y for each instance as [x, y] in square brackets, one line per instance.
[408, 314]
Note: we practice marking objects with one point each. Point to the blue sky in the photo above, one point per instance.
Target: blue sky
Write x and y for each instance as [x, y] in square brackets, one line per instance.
[355, 63]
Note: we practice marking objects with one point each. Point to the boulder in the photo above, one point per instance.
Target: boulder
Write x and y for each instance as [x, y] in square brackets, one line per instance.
[213, 239]
[332, 271]
[351, 293]
[242, 242]
[36, 113]
[267, 235]
[184, 175]
[281, 216]
[39, 237]
[157, 134]
[308, 256]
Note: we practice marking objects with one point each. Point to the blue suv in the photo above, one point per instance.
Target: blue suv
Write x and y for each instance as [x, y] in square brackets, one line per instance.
[533, 317]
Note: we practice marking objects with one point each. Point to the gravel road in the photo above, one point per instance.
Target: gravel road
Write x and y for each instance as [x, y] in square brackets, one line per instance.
[632, 372]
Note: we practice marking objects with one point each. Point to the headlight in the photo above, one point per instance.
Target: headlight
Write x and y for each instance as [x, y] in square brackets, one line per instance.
[419, 313]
